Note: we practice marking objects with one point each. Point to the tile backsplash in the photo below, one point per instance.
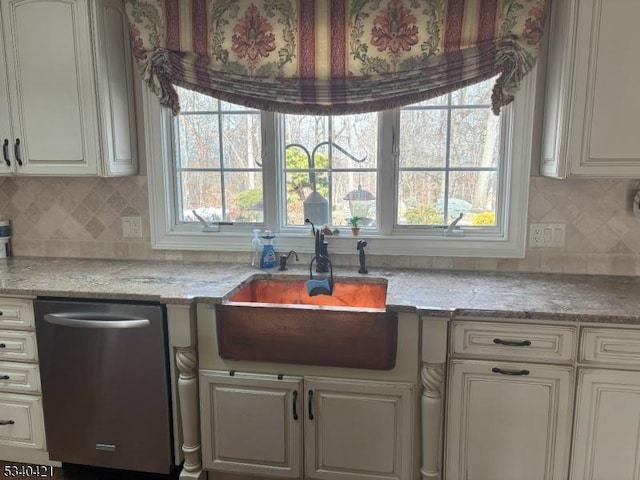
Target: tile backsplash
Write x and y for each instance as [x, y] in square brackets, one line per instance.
[81, 217]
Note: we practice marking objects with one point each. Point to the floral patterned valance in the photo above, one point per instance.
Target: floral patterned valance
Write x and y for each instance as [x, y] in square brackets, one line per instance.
[333, 56]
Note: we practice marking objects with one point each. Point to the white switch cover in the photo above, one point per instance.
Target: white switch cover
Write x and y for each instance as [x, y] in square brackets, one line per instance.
[546, 234]
[131, 227]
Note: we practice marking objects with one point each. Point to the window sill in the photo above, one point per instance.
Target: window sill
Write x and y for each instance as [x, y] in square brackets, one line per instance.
[450, 246]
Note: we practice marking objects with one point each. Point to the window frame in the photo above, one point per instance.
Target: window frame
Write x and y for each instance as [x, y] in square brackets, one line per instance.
[509, 241]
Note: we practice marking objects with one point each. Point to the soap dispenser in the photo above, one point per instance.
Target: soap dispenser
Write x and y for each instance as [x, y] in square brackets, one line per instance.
[256, 244]
[268, 258]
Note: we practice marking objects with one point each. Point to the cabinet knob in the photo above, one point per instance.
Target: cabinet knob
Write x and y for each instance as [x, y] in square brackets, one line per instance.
[3, 345]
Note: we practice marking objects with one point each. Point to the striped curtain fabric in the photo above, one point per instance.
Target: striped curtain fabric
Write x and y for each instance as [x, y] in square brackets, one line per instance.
[333, 56]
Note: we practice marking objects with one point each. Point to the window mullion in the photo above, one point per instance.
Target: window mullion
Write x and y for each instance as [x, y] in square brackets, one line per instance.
[386, 199]
[447, 163]
[176, 172]
[272, 154]
[223, 194]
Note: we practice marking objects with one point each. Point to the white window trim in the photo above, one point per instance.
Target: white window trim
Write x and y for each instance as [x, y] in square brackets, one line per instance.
[508, 243]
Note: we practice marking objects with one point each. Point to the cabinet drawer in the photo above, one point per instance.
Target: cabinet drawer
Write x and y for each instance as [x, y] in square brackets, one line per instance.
[16, 313]
[16, 345]
[610, 346]
[19, 377]
[541, 343]
[21, 421]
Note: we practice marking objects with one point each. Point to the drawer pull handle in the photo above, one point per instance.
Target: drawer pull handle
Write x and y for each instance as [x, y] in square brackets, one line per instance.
[510, 343]
[3, 345]
[4, 377]
[7, 422]
[509, 372]
[295, 405]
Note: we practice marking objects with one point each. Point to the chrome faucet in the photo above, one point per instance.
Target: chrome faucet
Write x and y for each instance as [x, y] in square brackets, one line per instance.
[321, 249]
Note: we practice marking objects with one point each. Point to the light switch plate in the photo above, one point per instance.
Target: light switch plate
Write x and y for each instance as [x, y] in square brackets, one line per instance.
[543, 235]
[131, 227]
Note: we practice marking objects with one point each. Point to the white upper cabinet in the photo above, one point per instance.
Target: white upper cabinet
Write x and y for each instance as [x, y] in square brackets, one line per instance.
[69, 87]
[5, 121]
[115, 86]
[592, 94]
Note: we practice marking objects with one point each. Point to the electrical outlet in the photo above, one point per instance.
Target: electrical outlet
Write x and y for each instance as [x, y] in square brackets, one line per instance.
[544, 235]
[131, 227]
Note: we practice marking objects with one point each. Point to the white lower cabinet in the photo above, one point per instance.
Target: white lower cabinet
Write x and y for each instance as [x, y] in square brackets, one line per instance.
[252, 424]
[306, 427]
[358, 429]
[22, 436]
[508, 421]
[510, 389]
[516, 410]
[21, 421]
[606, 439]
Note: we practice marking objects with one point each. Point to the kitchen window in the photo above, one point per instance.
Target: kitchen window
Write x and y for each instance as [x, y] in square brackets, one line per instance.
[407, 173]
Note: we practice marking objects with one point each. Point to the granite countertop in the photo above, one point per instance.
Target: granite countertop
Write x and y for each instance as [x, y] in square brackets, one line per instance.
[609, 299]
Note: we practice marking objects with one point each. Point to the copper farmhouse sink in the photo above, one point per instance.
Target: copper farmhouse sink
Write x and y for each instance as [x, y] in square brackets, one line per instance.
[274, 320]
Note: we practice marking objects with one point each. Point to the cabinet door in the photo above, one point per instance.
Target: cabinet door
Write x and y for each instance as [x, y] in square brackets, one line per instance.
[508, 421]
[606, 445]
[358, 429]
[6, 141]
[609, 85]
[592, 90]
[251, 423]
[21, 422]
[51, 86]
[115, 85]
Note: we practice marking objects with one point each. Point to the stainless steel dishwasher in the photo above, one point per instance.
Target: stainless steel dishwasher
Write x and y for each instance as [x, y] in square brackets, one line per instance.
[105, 383]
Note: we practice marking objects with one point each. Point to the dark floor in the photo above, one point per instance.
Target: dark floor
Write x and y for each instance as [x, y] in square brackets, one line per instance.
[73, 472]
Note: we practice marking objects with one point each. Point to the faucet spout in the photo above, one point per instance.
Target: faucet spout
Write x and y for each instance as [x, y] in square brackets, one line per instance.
[320, 250]
[320, 286]
[284, 258]
[313, 227]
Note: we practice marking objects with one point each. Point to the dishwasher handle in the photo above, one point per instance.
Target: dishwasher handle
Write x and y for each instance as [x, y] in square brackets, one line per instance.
[94, 320]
